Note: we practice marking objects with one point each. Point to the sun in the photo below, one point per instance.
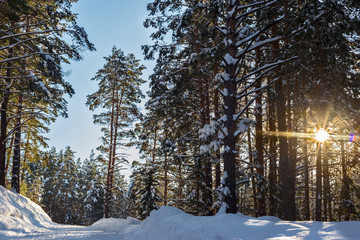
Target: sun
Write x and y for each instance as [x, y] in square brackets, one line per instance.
[321, 135]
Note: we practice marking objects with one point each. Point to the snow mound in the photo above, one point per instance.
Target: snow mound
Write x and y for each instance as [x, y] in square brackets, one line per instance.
[22, 219]
[117, 225]
[17, 210]
[172, 223]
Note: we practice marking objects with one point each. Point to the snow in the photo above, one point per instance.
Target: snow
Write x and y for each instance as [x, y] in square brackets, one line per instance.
[229, 60]
[207, 131]
[231, 13]
[223, 179]
[21, 210]
[22, 219]
[204, 149]
[117, 225]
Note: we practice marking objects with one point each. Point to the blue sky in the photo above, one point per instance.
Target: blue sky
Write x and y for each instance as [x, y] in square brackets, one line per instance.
[108, 23]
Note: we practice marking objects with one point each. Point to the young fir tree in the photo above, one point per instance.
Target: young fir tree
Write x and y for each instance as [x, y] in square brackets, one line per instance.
[144, 189]
[94, 189]
[62, 193]
[48, 199]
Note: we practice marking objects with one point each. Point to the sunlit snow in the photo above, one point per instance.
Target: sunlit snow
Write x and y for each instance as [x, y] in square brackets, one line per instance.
[22, 219]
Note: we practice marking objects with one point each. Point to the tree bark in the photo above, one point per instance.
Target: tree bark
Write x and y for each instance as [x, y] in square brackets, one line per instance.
[251, 163]
[165, 179]
[9, 153]
[3, 122]
[15, 180]
[292, 150]
[259, 145]
[318, 211]
[115, 135]
[345, 187]
[306, 172]
[284, 175]
[306, 158]
[326, 184]
[272, 155]
[216, 113]
[230, 103]
[107, 188]
[207, 163]
[203, 88]
[26, 152]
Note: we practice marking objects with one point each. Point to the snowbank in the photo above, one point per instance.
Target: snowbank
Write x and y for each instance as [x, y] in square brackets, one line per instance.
[18, 212]
[22, 219]
[171, 223]
[116, 225]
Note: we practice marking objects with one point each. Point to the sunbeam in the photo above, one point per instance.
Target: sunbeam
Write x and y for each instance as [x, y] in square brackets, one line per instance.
[320, 136]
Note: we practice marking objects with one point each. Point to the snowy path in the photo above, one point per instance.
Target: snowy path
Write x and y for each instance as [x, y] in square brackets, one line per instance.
[60, 232]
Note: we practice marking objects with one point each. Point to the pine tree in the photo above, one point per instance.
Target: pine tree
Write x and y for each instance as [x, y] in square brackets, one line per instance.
[118, 93]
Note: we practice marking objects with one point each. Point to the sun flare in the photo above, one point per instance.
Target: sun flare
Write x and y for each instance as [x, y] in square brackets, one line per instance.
[321, 135]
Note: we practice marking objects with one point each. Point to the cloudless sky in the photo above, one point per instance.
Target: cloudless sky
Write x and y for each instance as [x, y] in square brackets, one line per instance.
[108, 23]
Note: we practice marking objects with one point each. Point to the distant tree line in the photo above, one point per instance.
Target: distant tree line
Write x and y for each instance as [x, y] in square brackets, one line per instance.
[72, 191]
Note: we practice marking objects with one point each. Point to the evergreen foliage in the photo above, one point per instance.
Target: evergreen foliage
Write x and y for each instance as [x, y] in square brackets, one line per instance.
[238, 91]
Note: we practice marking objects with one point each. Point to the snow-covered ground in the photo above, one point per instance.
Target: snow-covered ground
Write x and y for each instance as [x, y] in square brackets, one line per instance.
[22, 219]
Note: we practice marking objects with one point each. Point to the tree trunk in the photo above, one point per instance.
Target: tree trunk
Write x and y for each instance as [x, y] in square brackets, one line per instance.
[284, 175]
[251, 163]
[306, 173]
[3, 121]
[318, 211]
[203, 85]
[259, 145]
[107, 188]
[26, 152]
[306, 160]
[272, 155]
[292, 150]
[345, 194]
[180, 185]
[165, 179]
[115, 134]
[230, 103]
[326, 184]
[9, 153]
[207, 163]
[166, 169]
[15, 180]
[216, 112]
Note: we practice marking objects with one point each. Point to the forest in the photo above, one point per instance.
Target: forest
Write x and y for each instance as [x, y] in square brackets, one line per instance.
[253, 107]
